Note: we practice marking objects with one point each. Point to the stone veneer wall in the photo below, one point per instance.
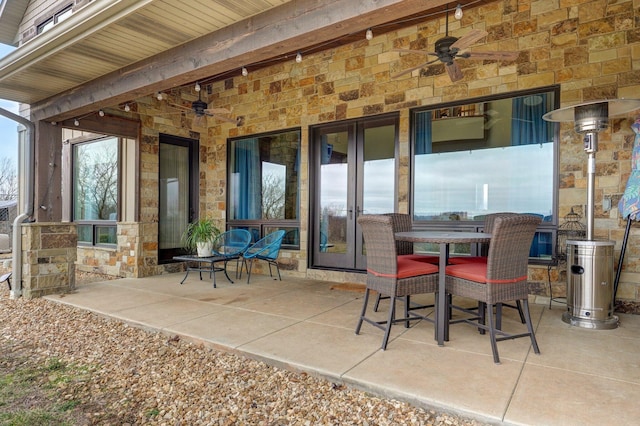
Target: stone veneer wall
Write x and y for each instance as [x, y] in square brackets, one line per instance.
[134, 256]
[590, 48]
[49, 255]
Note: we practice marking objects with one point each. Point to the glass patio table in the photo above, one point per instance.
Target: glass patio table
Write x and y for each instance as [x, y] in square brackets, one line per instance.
[443, 238]
[206, 264]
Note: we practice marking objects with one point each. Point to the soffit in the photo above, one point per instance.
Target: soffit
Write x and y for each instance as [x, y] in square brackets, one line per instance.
[11, 13]
[107, 35]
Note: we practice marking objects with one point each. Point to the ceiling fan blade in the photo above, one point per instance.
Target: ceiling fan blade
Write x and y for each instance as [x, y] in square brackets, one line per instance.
[455, 73]
[498, 56]
[468, 39]
[407, 71]
[180, 106]
[223, 118]
[200, 121]
[217, 111]
[418, 52]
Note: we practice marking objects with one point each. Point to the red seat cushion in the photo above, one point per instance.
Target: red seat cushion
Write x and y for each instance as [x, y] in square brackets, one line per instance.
[420, 258]
[477, 272]
[409, 268]
[459, 260]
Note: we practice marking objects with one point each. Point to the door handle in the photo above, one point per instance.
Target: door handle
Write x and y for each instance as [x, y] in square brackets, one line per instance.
[350, 214]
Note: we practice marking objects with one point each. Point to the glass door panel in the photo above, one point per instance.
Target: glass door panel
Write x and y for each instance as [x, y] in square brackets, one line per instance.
[176, 200]
[335, 211]
[355, 167]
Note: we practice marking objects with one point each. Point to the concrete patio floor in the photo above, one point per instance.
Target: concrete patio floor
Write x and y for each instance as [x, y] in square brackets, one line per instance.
[581, 377]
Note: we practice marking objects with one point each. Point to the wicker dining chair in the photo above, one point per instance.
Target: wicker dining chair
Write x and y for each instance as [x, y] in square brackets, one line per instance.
[390, 275]
[402, 222]
[501, 279]
[487, 227]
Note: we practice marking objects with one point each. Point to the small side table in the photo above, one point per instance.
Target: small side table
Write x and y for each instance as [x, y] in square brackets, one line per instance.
[206, 264]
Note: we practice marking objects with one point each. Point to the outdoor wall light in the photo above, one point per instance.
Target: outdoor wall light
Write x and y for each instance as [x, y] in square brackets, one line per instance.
[369, 34]
[245, 72]
[458, 12]
[299, 57]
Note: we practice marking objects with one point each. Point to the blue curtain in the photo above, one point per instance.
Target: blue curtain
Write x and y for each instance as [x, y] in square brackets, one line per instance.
[423, 133]
[249, 179]
[527, 125]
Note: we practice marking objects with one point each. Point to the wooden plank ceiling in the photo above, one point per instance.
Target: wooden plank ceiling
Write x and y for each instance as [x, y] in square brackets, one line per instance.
[112, 51]
[111, 37]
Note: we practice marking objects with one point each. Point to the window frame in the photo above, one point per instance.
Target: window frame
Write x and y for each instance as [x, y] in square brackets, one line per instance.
[264, 226]
[97, 225]
[548, 228]
[54, 19]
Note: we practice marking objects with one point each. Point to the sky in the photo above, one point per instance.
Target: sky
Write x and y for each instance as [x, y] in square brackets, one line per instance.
[8, 128]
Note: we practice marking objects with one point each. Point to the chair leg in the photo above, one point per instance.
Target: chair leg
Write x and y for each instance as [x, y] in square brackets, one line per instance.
[392, 315]
[277, 269]
[527, 317]
[498, 316]
[519, 306]
[407, 302]
[364, 310]
[377, 304]
[249, 266]
[492, 334]
[482, 313]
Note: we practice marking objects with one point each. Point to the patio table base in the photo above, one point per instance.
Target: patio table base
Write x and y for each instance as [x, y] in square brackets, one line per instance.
[206, 264]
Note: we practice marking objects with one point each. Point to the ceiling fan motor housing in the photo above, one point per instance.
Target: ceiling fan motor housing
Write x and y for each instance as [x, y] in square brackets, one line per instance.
[199, 107]
[443, 49]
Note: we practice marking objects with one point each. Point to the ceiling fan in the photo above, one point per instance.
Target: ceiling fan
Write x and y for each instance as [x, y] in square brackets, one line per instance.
[201, 111]
[448, 49]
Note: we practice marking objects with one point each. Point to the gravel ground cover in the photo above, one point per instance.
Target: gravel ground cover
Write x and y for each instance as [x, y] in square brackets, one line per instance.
[103, 371]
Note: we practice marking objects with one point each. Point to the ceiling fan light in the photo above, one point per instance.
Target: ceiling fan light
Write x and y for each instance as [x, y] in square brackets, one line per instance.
[458, 12]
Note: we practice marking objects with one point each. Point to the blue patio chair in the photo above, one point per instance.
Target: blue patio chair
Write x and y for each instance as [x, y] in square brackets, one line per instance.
[266, 249]
[227, 246]
[230, 245]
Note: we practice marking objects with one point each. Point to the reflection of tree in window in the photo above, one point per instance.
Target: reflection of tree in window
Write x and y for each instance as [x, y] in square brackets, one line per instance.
[273, 190]
[96, 179]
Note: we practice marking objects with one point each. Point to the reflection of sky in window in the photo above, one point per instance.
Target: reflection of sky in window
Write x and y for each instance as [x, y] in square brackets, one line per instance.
[484, 181]
[278, 173]
[379, 184]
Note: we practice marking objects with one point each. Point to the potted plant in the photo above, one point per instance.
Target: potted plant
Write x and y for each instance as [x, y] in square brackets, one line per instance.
[199, 236]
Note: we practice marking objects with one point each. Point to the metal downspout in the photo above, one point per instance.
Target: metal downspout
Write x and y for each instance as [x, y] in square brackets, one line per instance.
[27, 211]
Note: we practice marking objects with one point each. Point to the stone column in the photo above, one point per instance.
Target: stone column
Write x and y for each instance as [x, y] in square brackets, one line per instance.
[48, 258]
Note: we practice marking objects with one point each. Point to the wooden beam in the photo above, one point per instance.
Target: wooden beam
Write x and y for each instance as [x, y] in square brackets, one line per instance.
[288, 28]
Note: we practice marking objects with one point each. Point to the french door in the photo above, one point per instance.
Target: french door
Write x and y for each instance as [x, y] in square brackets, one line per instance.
[178, 193]
[355, 172]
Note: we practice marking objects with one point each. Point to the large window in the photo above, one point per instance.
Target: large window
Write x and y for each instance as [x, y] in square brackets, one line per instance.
[95, 190]
[263, 184]
[485, 156]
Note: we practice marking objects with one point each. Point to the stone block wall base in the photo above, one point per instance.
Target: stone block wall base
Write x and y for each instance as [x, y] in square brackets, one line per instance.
[48, 258]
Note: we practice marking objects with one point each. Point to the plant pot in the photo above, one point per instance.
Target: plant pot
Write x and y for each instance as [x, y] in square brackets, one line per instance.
[205, 248]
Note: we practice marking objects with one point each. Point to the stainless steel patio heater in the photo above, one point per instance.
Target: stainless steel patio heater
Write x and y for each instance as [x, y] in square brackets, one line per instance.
[590, 262]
